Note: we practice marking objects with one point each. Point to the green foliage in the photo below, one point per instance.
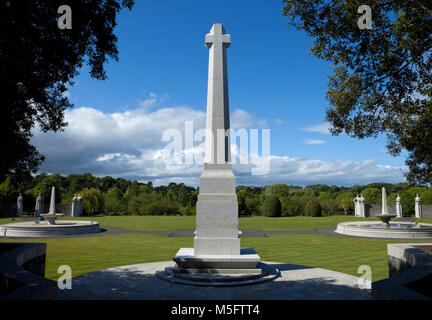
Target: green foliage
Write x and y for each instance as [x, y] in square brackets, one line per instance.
[9, 191]
[252, 205]
[38, 60]
[291, 206]
[313, 208]
[408, 202]
[345, 201]
[93, 201]
[272, 207]
[137, 198]
[381, 80]
[426, 197]
[44, 187]
[114, 203]
[372, 195]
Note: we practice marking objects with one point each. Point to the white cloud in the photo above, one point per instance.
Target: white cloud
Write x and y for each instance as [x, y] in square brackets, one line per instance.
[240, 119]
[320, 128]
[314, 141]
[129, 144]
[147, 102]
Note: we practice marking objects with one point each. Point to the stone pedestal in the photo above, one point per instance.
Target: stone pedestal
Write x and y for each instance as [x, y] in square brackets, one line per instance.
[217, 212]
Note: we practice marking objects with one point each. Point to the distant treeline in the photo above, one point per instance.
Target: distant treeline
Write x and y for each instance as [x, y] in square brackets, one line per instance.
[118, 196]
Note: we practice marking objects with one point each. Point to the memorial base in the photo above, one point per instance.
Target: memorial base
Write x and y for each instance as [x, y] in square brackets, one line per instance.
[244, 263]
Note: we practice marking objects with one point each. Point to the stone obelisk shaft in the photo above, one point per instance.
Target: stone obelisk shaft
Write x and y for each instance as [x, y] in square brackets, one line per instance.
[52, 202]
[217, 208]
[217, 122]
[384, 208]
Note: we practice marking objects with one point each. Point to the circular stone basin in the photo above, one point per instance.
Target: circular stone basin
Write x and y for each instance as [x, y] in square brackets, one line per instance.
[42, 229]
[395, 230]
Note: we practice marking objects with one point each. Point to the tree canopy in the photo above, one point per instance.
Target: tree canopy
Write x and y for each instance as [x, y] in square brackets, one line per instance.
[382, 80]
[38, 60]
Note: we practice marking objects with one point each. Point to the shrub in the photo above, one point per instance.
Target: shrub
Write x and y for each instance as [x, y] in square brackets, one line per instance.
[313, 208]
[272, 207]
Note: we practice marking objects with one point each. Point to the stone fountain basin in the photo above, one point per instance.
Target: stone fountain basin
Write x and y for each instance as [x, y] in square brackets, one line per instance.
[30, 229]
[371, 229]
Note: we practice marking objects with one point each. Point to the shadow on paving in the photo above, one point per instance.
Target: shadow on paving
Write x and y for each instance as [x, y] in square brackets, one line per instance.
[139, 282]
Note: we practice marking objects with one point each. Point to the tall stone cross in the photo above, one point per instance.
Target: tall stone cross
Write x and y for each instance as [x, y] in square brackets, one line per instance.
[217, 243]
[217, 208]
[218, 122]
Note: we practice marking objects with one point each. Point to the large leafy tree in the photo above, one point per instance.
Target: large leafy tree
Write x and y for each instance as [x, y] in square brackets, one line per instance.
[38, 60]
[382, 80]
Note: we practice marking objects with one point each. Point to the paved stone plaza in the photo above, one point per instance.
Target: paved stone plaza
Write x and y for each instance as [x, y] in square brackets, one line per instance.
[139, 281]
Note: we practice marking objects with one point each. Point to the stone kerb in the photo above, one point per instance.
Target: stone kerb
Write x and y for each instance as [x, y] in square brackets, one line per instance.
[408, 263]
[25, 266]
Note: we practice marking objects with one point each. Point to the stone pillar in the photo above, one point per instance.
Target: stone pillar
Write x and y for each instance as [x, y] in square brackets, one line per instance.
[74, 206]
[399, 207]
[38, 206]
[356, 206]
[361, 204]
[20, 206]
[79, 206]
[418, 208]
[52, 202]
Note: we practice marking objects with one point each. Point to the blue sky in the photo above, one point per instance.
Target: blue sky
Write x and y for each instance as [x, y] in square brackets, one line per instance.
[273, 83]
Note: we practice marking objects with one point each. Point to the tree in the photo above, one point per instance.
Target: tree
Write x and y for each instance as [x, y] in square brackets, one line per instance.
[291, 207]
[93, 201]
[38, 60]
[313, 208]
[113, 201]
[382, 76]
[252, 204]
[272, 207]
[372, 195]
[345, 200]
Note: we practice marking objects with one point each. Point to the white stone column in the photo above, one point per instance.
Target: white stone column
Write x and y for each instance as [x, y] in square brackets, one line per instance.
[38, 206]
[217, 208]
[356, 206]
[20, 206]
[74, 206]
[361, 204]
[399, 207]
[418, 208]
[52, 202]
[79, 206]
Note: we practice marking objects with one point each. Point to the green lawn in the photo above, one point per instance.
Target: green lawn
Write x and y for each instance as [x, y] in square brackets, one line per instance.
[170, 223]
[9, 220]
[97, 252]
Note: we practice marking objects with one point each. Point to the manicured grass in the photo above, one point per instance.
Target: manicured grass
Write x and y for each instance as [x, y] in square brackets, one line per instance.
[137, 223]
[424, 220]
[98, 252]
[9, 220]
[93, 253]
[170, 223]
[294, 223]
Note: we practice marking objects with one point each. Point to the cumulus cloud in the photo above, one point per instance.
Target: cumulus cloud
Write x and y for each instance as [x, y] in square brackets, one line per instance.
[314, 141]
[320, 128]
[129, 144]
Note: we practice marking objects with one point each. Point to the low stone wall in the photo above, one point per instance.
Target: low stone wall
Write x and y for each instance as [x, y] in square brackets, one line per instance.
[7, 210]
[426, 211]
[374, 209]
[22, 269]
[66, 209]
[410, 273]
